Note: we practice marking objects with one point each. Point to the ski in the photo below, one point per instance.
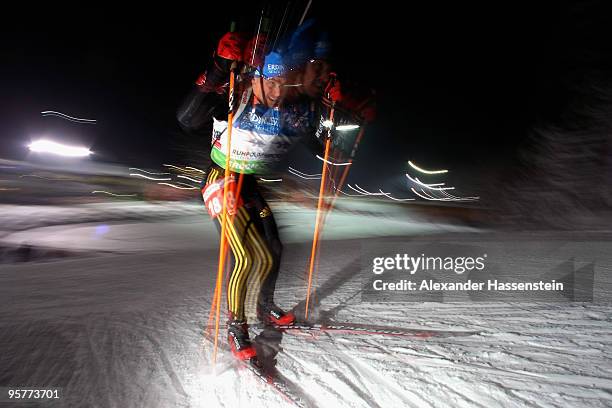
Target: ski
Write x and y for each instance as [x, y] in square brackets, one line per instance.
[367, 329]
[284, 387]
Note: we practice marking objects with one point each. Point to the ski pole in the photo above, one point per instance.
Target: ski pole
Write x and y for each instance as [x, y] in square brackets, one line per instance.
[329, 208]
[315, 239]
[346, 168]
[223, 242]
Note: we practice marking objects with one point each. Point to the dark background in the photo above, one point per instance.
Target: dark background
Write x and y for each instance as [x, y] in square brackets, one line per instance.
[456, 86]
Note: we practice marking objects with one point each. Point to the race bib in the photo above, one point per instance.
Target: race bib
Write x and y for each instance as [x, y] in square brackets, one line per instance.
[213, 197]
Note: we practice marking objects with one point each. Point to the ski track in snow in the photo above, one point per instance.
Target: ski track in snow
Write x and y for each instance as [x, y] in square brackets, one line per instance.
[125, 330]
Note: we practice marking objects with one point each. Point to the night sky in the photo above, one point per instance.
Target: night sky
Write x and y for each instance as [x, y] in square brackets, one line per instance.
[455, 85]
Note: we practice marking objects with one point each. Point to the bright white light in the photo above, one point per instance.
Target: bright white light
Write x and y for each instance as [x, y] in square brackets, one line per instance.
[271, 180]
[344, 128]
[47, 146]
[328, 123]
[417, 168]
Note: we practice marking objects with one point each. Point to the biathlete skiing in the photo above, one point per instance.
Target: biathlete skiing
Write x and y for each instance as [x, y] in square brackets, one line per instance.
[273, 110]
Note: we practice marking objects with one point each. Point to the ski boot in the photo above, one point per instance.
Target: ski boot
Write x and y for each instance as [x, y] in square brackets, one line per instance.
[239, 341]
[270, 314]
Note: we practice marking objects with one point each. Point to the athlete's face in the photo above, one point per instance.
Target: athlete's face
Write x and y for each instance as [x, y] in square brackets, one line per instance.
[316, 76]
[268, 91]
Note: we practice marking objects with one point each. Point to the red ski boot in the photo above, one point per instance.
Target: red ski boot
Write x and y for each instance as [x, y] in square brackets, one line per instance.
[239, 341]
[271, 314]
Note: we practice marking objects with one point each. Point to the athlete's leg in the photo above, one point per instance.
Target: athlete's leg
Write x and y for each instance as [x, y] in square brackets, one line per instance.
[265, 237]
[242, 257]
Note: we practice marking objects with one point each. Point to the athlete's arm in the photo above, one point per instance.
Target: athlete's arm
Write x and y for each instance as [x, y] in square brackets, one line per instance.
[210, 90]
[206, 98]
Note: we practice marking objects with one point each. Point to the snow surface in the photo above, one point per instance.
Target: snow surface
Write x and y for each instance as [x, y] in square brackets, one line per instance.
[122, 326]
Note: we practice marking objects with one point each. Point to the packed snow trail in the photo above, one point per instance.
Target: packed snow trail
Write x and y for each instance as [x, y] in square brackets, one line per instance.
[125, 329]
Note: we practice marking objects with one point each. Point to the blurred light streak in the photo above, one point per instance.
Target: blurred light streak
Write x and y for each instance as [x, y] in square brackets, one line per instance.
[112, 194]
[305, 178]
[189, 178]
[328, 123]
[195, 169]
[175, 167]
[70, 118]
[150, 178]
[333, 164]
[357, 191]
[393, 198]
[428, 186]
[304, 15]
[47, 146]
[178, 187]
[460, 198]
[431, 196]
[366, 191]
[347, 194]
[362, 192]
[271, 180]
[305, 174]
[344, 128]
[148, 172]
[448, 195]
[426, 198]
[414, 166]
